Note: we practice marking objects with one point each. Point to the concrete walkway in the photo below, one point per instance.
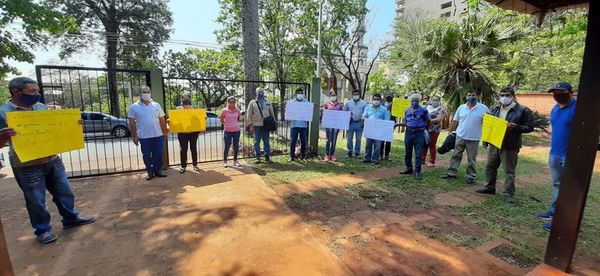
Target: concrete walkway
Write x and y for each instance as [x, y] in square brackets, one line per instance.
[217, 222]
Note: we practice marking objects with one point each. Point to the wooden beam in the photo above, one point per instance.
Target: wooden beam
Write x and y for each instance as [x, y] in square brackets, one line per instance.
[5, 265]
[579, 165]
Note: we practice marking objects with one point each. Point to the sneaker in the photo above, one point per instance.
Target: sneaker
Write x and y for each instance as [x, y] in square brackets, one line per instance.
[418, 176]
[407, 171]
[486, 191]
[292, 159]
[46, 238]
[196, 168]
[548, 226]
[358, 156]
[332, 158]
[160, 174]
[547, 216]
[430, 165]
[79, 221]
[327, 158]
[149, 176]
[350, 155]
[470, 181]
[257, 161]
[269, 160]
[303, 160]
[225, 164]
[447, 176]
[236, 164]
[181, 170]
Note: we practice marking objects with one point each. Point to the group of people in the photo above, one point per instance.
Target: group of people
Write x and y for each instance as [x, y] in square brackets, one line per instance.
[422, 123]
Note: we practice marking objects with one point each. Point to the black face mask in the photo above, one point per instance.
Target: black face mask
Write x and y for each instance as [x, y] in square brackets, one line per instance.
[562, 98]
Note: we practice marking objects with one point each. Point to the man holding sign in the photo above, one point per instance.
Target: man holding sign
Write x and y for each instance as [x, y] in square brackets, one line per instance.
[520, 120]
[149, 128]
[36, 176]
[298, 128]
[374, 112]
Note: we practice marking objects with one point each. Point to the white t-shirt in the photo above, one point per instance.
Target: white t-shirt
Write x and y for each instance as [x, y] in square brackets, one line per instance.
[470, 121]
[147, 119]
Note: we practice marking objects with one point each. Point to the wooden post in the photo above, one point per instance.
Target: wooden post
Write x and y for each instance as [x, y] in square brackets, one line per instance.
[579, 165]
[5, 265]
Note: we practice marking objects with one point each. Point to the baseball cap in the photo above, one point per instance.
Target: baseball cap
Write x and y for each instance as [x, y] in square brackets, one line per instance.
[563, 85]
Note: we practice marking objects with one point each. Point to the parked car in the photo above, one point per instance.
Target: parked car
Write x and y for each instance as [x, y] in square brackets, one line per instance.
[213, 121]
[94, 122]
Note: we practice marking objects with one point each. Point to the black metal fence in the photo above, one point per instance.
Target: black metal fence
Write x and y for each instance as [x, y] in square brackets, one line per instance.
[108, 148]
[212, 95]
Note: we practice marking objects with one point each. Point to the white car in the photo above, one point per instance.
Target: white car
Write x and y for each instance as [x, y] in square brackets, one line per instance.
[213, 121]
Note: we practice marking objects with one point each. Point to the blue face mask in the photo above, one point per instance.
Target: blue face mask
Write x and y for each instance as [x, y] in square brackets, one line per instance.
[187, 102]
[261, 96]
[414, 104]
[30, 100]
[435, 103]
[472, 100]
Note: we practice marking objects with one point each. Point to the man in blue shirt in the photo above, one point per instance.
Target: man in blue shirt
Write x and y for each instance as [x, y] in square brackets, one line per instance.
[561, 117]
[467, 121]
[416, 120]
[299, 128]
[356, 106]
[374, 112]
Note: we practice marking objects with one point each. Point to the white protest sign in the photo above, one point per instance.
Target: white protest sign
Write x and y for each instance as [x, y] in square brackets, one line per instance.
[382, 130]
[336, 119]
[299, 111]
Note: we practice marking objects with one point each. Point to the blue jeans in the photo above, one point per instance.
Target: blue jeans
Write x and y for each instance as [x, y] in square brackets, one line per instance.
[373, 150]
[34, 181]
[259, 134]
[331, 143]
[556, 164]
[232, 137]
[355, 130]
[414, 139]
[152, 151]
[303, 133]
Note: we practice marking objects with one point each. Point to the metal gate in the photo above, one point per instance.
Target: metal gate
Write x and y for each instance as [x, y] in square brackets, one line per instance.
[212, 94]
[108, 148]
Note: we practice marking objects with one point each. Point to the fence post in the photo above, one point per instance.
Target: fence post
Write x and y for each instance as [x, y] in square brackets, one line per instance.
[5, 265]
[315, 97]
[158, 95]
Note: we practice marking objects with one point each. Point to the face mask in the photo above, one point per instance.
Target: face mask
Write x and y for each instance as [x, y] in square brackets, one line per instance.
[29, 100]
[187, 102]
[472, 100]
[387, 104]
[300, 97]
[356, 98]
[435, 103]
[376, 102]
[260, 95]
[562, 98]
[146, 96]
[334, 99]
[231, 105]
[506, 100]
[414, 104]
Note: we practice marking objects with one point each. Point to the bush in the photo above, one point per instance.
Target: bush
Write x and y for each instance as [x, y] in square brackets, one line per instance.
[540, 121]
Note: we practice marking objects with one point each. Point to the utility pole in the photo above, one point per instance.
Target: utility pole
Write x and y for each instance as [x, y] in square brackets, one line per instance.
[319, 39]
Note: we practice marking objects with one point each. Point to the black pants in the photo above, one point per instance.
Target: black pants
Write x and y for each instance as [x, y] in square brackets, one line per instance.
[185, 139]
[386, 147]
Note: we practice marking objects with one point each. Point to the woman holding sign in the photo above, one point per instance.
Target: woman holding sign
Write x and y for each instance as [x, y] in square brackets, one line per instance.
[230, 118]
[187, 138]
[331, 133]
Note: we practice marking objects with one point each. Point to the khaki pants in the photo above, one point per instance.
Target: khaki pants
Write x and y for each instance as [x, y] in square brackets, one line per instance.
[459, 148]
[508, 159]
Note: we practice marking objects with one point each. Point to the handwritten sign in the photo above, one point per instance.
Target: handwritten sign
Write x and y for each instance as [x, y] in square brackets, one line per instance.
[493, 130]
[45, 133]
[187, 120]
[382, 130]
[336, 119]
[299, 111]
[399, 107]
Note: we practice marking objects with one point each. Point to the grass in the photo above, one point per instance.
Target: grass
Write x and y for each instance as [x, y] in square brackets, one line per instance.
[461, 239]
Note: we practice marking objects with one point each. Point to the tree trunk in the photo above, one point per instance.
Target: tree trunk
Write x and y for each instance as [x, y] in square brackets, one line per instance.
[250, 45]
[112, 37]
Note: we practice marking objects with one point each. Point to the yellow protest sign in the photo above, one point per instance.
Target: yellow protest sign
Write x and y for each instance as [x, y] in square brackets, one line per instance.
[45, 133]
[187, 120]
[399, 106]
[493, 130]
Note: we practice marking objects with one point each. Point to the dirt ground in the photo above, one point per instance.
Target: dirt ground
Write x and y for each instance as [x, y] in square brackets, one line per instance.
[229, 222]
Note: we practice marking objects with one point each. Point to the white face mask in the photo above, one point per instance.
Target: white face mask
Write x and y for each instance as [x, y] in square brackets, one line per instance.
[506, 100]
[376, 103]
[146, 96]
[300, 97]
[356, 98]
[334, 99]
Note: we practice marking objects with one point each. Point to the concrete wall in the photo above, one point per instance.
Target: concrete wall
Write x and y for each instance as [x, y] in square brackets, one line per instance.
[540, 102]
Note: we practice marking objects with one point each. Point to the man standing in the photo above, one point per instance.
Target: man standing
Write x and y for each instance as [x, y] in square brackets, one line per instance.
[36, 176]
[298, 128]
[520, 120]
[356, 106]
[417, 120]
[149, 128]
[467, 121]
[259, 109]
[561, 117]
[374, 112]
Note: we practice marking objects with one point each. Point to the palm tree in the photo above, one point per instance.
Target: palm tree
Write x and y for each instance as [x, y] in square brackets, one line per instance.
[465, 54]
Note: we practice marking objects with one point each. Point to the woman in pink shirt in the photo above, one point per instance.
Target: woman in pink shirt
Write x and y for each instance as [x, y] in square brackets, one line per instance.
[332, 134]
[230, 118]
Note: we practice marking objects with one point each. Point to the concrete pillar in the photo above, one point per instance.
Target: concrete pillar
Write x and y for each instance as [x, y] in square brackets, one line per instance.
[315, 97]
[158, 95]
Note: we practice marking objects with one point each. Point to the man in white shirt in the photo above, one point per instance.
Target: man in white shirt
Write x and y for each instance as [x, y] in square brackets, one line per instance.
[467, 121]
[149, 128]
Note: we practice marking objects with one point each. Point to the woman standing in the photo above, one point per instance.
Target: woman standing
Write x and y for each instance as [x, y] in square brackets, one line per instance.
[331, 133]
[437, 113]
[187, 138]
[230, 118]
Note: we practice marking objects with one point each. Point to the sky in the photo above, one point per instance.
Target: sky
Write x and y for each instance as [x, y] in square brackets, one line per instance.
[196, 21]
